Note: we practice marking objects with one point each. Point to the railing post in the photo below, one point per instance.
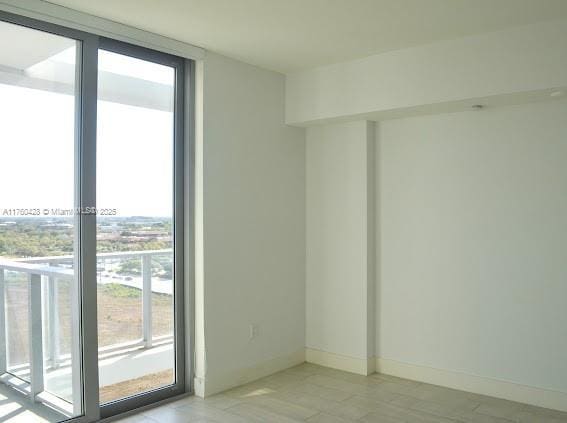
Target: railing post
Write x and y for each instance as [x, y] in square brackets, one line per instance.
[3, 337]
[76, 362]
[147, 299]
[53, 322]
[35, 335]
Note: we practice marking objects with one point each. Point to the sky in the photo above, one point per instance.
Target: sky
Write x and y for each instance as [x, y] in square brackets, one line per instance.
[134, 146]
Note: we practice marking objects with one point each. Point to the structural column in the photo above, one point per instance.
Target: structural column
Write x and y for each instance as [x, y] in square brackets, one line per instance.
[340, 256]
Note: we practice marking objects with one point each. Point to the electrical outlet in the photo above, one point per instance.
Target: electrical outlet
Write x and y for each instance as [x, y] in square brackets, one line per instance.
[253, 331]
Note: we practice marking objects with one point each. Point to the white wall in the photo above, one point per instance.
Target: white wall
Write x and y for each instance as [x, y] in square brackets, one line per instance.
[470, 211]
[339, 250]
[251, 225]
[503, 63]
[473, 274]
[472, 226]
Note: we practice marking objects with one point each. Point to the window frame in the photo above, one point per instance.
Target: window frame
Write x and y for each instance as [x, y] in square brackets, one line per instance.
[178, 388]
[85, 196]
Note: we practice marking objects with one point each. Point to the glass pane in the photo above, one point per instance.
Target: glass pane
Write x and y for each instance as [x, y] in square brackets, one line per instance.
[37, 227]
[134, 225]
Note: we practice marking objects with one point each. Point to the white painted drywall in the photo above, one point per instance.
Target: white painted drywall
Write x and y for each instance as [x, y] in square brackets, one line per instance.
[251, 221]
[473, 223]
[338, 252]
[518, 60]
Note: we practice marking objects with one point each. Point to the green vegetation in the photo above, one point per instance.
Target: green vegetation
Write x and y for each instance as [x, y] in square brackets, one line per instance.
[130, 267]
[40, 237]
[28, 239]
[121, 291]
[162, 266]
[104, 246]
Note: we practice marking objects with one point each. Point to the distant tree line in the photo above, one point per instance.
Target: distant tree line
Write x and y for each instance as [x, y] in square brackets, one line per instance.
[33, 238]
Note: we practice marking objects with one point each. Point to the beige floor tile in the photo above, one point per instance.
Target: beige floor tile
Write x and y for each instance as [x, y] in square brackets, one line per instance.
[309, 393]
[347, 411]
[453, 411]
[427, 418]
[253, 413]
[365, 403]
[283, 379]
[525, 417]
[397, 388]
[530, 412]
[344, 386]
[372, 405]
[183, 401]
[251, 390]
[310, 367]
[452, 397]
[327, 418]
[306, 400]
[349, 377]
[333, 383]
[136, 418]
[381, 418]
[381, 395]
[320, 391]
[500, 408]
[202, 411]
[303, 369]
[169, 415]
[285, 408]
[480, 418]
[403, 401]
[387, 378]
[221, 401]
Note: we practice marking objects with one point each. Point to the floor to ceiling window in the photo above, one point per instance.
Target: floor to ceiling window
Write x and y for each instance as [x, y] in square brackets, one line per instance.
[39, 335]
[135, 239]
[91, 223]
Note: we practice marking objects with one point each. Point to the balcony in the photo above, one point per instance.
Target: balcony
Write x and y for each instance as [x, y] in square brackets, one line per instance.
[40, 327]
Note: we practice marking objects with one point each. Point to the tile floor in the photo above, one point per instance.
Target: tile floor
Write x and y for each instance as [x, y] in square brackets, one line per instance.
[309, 393]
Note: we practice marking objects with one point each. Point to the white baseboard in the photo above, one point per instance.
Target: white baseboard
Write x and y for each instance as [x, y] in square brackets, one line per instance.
[213, 384]
[340, 362]
[476, 384]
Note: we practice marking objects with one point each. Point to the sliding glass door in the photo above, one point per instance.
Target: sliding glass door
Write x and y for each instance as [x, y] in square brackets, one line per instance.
[136, 227]
[91, 223]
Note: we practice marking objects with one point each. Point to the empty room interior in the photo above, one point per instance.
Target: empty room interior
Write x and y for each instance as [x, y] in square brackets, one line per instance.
[279, 211]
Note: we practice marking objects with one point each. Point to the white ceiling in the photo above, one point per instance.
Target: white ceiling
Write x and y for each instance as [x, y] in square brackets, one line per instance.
[288, 35]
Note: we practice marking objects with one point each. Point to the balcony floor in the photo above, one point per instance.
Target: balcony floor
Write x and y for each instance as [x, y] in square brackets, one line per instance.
[16, 408]
[122, 373]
